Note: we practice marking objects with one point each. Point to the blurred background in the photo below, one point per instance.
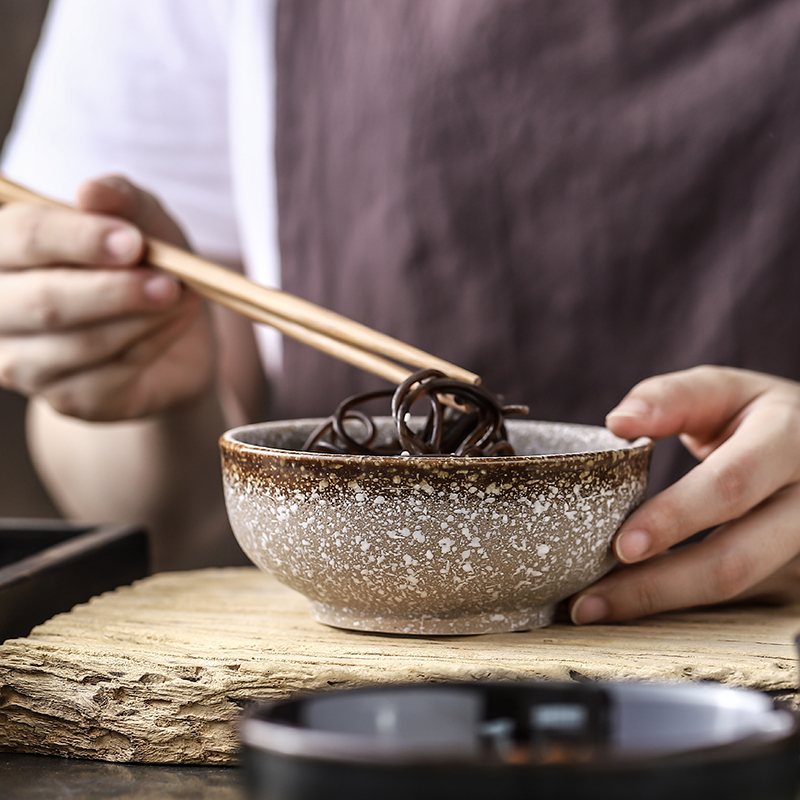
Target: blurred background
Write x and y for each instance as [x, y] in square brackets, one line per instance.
[21, 494]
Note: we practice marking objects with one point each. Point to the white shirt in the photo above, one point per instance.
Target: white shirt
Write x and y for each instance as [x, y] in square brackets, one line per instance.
[178, 96]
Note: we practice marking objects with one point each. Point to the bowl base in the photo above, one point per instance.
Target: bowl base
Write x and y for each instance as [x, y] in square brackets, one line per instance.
[518, 620]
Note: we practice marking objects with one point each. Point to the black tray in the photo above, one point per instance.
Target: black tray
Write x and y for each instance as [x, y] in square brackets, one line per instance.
[49, 566]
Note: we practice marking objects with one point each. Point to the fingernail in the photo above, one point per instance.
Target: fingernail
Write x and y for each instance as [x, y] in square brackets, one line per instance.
[161, 289]
[631, 407]
[123, 244]
[588, 609]
[632, 545]
[115, 182]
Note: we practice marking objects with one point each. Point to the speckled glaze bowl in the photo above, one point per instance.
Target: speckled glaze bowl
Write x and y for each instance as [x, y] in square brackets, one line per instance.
[435, 545]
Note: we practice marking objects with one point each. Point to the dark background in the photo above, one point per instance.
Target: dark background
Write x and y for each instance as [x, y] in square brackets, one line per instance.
[21, 494]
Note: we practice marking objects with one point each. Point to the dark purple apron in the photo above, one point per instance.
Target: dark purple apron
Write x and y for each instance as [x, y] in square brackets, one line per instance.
[564, 197]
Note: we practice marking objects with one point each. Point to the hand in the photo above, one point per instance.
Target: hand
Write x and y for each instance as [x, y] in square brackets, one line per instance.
[745, 429]
[81, 325]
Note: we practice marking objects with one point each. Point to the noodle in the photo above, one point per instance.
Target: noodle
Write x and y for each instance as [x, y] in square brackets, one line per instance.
[476, 427]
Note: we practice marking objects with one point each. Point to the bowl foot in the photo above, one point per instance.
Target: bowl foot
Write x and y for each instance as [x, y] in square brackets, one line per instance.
[491, 622]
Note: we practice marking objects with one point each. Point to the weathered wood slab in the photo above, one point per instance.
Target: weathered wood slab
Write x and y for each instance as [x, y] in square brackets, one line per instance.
[159, 671]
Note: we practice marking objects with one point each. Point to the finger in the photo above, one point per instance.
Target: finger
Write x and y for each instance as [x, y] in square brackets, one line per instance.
[720, 568]
[155, 372]
[36, 235]
[37, 301]
[757, 461]
[28, 364]
[781, 587]
[115, 195]
[702, 402]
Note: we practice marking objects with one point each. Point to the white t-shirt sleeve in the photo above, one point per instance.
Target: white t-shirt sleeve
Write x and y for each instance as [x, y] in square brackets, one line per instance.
[140, 88]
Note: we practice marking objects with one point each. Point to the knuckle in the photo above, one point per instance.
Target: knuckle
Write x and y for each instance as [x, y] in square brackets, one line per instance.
[664, 517]
[646, 597]
[792, 423]
[705, 369]
[785, 416]
[43, 309]
[730, 575]
[27, 230]
[731, 483]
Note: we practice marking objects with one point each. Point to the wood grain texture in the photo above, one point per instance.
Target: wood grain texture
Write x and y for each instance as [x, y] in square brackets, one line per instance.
[159, 671]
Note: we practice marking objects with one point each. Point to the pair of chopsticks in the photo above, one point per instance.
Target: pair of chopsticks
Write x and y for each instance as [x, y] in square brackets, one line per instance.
[325, 330]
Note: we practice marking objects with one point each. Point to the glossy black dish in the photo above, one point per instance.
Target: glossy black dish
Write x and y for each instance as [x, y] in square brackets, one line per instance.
[523, 740]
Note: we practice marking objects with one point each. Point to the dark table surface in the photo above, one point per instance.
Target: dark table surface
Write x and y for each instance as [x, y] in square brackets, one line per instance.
[29, 777]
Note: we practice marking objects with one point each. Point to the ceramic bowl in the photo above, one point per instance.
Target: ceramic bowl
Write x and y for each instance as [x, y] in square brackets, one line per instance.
[434, 545]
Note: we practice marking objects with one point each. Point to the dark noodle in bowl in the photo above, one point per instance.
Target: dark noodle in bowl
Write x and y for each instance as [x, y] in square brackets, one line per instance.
[462, 419]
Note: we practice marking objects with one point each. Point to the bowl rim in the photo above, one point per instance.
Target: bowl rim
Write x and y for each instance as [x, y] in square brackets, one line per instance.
[229, 442]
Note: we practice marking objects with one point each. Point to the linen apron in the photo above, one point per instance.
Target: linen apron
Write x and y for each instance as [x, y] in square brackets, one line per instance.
[565, 197]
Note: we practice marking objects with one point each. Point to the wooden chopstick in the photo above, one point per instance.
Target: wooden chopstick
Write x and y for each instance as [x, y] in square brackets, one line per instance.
[391, 371]
[307, 322]
[228, 284]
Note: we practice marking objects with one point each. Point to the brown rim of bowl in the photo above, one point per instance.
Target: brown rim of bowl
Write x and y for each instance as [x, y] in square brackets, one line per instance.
[630, 447]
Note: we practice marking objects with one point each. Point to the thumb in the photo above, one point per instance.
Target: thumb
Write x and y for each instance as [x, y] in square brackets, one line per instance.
[116, 195]
[701, 404]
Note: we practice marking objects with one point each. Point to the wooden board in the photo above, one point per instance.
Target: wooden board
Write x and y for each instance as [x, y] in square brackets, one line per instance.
[158, 672]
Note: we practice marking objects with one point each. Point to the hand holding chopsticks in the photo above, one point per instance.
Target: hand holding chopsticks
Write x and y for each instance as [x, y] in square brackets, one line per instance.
[311, 324]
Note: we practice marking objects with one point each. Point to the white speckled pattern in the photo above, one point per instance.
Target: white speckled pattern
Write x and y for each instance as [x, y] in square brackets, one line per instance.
[435, 545]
